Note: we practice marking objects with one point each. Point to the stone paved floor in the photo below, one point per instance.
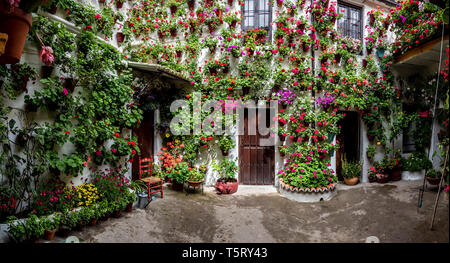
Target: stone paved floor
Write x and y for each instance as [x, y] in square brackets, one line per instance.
[260, 214]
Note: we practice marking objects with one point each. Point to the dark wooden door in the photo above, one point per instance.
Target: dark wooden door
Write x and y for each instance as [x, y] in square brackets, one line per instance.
[256, 162]
[144, 134]
[347, 140]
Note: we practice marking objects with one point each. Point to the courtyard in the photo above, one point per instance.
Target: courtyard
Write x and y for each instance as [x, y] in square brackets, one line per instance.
[257, 214]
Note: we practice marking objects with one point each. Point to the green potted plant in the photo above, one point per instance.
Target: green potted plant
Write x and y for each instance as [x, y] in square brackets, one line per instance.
[225, 144]
[196, 177]
[50, 226]
[227, 183]
[433, 177]
[16, 229]
[66, 223]
[178, 175]
[351, 171]
[371, 151]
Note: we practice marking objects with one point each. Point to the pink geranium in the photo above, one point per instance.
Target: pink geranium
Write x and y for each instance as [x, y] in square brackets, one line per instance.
[46, 55]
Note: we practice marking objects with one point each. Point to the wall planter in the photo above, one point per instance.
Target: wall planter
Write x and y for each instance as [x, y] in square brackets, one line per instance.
[120, 37]
[16, 25]
[307, 195]
[226, 187]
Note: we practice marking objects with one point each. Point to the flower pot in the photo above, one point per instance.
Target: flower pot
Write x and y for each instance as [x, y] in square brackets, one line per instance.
[372, 179]
[117, 213]
[282, 138]
[105, 217]
[49, 234]
[371, 19]
[70, 84]
[380, 52]
[306, 48]
[173, 9]
[63, 232]
[364, 63]
[120, 37]
[351, 181]
[176, 186]
[129, 208]
[337, 57]
[396, 174]
[194, 183]
[225, 153]
[230, 2]
[245, 90]
[119, 5]
[179, 53]
[80, 226]
[191, 4]
[226, 188]
[382, 179]
[233, 24]
[46, 71]
[93, 221]
[173, 32]
[433, 180]
[16, 25]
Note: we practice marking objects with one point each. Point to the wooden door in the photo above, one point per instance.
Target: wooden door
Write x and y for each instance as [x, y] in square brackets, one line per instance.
[144, 134]
[347, 141]
[256, 162]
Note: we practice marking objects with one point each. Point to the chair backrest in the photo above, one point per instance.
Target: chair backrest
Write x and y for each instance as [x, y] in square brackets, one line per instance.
[145, 166]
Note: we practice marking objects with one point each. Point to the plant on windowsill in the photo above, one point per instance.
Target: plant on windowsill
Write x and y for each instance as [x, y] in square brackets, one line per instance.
[227, 183]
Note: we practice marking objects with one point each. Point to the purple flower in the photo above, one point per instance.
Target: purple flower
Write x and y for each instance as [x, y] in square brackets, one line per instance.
[403, 19]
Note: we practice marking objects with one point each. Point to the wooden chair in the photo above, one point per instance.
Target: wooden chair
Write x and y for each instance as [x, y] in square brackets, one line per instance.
[154, 185]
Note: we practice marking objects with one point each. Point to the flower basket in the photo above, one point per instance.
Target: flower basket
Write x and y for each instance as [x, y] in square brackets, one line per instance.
[16, 25]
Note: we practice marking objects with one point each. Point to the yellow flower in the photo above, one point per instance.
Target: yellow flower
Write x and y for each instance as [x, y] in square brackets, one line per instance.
[167, 135]
[378, 143]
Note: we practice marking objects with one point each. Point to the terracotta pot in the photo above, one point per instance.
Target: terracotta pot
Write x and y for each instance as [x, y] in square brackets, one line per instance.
[233, 24]
[364, 63]
[433, 180]
[225, 153]
[176, 186]
[129, 208]
[194, 183]
[282, 138]
[120, 37]
[191, 4]
[49, 234]
[173, 32]
[173, 9]
[396, 174]
[105, 217]
[351, 181]
[226, 188]
[93, 221]
[119, 5]
[245, 90]
[63, 232]
[372, 179]
[46, 71]
[80, 226]
[230, 2]
[179, 53]
[117, 213]
[384, 179]
[16, 25]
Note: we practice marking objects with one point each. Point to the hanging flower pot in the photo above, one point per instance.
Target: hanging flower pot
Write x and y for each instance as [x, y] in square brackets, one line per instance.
[16, 25]
[337, 57]
[191, 4]
[120, 37]
[101, 1]
[306, 48]
[46, 71]
[173, 9]
[369, 50]
[230, 2]
[233, 24]
[211, 28]
[119, 4]
[245, 90]
[371, 19]
[282, 138]
[380, 52]
[279, 2]
[179, 53]
[173, 32]
[364, 62]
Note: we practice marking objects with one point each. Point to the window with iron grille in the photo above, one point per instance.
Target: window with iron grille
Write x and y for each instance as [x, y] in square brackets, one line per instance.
[350, 24]
[257, 14]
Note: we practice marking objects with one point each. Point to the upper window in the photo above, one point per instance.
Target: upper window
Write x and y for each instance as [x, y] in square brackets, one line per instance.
[257, 14]
[350, 24]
